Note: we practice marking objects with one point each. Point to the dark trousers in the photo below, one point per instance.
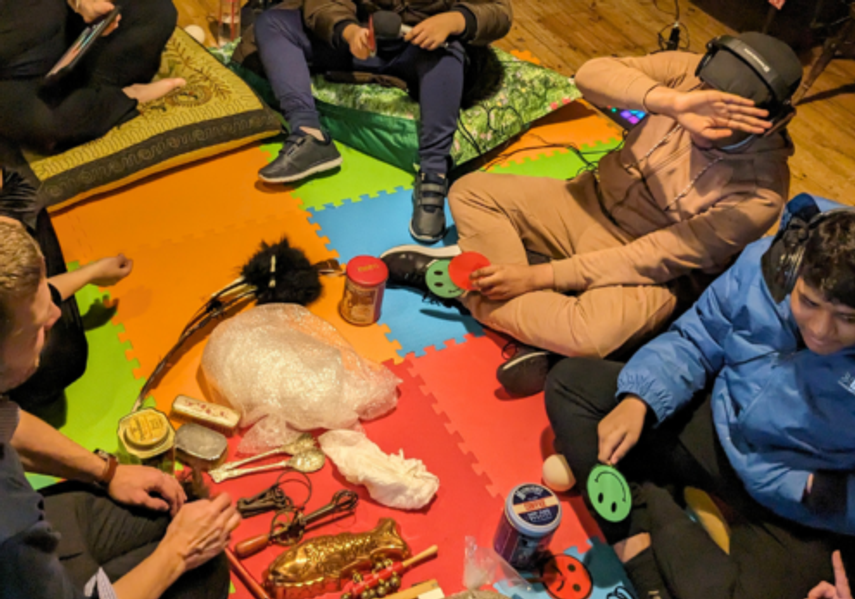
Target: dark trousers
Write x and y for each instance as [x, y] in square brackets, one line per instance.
[63, 358]
[289, 50]
[769, 556]
[89, 101]
[99, 533]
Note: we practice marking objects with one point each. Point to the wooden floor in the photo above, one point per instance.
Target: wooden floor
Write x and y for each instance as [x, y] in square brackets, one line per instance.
[566, 33]
[563, 34]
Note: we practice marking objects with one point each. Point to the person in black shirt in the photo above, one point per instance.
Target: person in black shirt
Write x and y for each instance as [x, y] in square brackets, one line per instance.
[98, 93]
[63, 358]
[111, 531]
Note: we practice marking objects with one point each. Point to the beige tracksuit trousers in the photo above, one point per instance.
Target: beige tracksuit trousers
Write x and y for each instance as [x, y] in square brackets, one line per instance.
[502, 216]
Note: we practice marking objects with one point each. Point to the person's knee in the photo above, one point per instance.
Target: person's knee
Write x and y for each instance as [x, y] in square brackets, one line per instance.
[159, 21]
[276, 23]
[466, 189]
[562, 377]
[588, 383]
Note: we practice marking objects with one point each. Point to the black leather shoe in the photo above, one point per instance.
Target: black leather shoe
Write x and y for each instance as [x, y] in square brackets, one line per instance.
[408, 264]
[524, 372]
[301, 156]
[428, 222]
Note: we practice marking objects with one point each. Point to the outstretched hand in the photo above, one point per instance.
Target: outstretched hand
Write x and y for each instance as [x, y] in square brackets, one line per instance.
[716, 115]
[840, 589]
[106, 272]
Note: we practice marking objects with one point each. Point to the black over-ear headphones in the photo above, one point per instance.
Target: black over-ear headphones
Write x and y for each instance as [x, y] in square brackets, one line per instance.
[782, 262]
[780, 106]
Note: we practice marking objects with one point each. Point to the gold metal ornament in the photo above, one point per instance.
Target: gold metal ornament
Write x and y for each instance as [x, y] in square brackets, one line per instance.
[323, 564]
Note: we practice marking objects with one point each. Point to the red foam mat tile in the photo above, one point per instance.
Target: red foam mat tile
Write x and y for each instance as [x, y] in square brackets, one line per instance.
[462, 507]
[509, 438]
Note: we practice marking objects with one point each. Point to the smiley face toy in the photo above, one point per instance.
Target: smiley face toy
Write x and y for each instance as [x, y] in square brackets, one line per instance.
[565, 577]
[609, 493]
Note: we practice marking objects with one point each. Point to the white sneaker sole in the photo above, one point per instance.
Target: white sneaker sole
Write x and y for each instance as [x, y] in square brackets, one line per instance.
[424, 238]
[319, 168]
[446, 251]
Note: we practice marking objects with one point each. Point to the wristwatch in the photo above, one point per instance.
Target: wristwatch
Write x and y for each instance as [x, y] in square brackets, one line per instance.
[110, 465]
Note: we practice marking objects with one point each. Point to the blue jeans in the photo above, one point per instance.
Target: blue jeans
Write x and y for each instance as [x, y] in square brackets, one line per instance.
[289, 50]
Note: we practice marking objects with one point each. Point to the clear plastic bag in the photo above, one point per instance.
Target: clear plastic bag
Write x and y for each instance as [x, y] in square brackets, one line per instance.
[483, 566]
[288, 370]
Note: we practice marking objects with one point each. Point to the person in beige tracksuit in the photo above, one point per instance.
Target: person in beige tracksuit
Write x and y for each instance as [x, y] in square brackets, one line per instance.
[670, 202]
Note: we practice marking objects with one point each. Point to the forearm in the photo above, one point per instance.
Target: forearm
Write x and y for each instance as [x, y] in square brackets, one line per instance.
[626, 82]
[44, 450]
[610, 82]
[706, 242]
[70, 283]
[151, 578]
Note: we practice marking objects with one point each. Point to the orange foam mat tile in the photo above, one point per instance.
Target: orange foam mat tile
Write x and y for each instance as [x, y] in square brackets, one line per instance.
[171, 281]
[577, 123]
[204, 197]
[509, 438]
[189, 231]
[462, 506]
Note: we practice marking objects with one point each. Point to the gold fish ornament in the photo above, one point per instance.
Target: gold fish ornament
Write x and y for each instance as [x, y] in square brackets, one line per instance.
[324, 564]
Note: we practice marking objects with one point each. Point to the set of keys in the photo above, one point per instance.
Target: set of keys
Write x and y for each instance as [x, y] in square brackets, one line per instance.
[290, 524]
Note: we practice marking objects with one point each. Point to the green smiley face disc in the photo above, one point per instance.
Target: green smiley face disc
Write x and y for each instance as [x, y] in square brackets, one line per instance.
[609, 493]
[439, 281]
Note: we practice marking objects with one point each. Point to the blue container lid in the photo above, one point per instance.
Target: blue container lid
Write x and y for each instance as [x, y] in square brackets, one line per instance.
[533, 510]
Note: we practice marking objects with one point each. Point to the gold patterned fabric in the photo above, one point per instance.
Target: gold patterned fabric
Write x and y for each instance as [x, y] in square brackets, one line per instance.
[215, 112]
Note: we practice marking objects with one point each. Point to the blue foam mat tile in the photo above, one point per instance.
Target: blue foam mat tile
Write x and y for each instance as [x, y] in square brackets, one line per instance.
[607, 573]
[372, 226]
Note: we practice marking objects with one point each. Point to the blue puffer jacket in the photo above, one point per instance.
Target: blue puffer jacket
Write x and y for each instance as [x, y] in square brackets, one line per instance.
[781, 411]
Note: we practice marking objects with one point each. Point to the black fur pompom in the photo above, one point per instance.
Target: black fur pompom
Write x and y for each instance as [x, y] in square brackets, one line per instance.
[296, 280]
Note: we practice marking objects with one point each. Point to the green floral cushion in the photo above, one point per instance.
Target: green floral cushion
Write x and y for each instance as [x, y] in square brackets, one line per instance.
[215, 112]
[383, 122]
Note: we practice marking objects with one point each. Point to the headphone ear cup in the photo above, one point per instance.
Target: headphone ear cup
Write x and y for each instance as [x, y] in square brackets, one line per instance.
[791, 267]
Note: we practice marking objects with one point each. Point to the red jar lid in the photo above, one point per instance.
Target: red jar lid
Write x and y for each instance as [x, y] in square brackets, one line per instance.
[367, 271]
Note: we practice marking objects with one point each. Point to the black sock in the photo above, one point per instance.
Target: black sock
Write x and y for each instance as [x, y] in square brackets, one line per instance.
[644, 574]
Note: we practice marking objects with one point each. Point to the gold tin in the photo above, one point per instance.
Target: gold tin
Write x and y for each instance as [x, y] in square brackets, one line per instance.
[215, 416]
[146, 437]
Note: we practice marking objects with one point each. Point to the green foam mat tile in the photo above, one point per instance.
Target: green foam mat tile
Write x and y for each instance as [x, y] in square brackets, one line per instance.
[560, 164]
[360, 175]
[94, 404]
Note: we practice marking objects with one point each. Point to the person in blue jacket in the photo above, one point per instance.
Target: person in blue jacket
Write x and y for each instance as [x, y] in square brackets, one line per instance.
[750, 396]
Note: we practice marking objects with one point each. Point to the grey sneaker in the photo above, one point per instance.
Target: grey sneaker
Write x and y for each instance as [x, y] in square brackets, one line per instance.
[428, 222]
[301, 156]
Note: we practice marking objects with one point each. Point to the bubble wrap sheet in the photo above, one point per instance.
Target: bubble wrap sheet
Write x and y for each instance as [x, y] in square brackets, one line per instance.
[288, 370]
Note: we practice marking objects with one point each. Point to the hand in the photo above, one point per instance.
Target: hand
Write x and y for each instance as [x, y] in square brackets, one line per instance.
[434, 31]
[507, 281]
[840, 589]
[106, 272]
[621, 429]
[715, 115]
[147, 487]
[202, 530]
[92, 10]
[357, 38]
